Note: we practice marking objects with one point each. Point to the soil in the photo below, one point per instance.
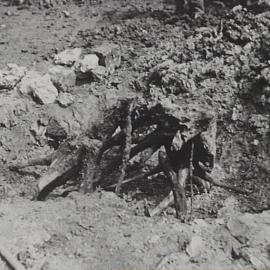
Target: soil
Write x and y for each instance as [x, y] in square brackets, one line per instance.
[221, 58]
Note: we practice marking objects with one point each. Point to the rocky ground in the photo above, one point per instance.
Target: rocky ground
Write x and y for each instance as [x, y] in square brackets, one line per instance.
[54, 85]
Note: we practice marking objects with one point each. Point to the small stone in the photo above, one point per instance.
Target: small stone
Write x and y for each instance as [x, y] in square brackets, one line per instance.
[87, 64]
[9, 13]
[195, 246]
[109, 56]
[154, 239]
[66, 13]
[237, 8]
[234, 114]
[65, 99]
[255, 142]
[68, 57]
[62, 77]
[200, 222]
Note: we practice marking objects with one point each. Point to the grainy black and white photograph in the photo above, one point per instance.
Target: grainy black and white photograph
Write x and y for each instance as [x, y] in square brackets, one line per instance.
[134, 135]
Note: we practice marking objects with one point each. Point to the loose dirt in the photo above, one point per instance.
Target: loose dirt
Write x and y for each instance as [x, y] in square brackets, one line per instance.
[221, 58]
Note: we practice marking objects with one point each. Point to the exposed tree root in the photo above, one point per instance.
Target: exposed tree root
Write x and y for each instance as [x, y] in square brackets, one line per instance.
[177, 186]
[186, 130]
[154, 171]
[127, 129]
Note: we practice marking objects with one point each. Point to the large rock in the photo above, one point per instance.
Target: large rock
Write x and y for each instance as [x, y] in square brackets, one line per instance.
[62, 77]
[109, 55]
[68, 57]
[40, 87]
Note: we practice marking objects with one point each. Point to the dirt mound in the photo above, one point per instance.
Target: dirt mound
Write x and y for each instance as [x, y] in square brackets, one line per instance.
[97, 231]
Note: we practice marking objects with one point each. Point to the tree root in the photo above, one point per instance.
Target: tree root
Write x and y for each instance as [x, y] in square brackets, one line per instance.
[177, 186]
[154, 171]
[207, 177]
[127, 129]
[59, 172]
[42, 161]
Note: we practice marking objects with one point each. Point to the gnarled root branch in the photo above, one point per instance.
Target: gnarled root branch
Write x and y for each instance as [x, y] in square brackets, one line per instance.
[154, 171]
[42, 161]
[127, 146]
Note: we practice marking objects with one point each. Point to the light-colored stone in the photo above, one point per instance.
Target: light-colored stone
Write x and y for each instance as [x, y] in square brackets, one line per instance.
[154, 239]
[68, 57]
[109, 55]
[89, 69]
[200, 222]
[87, 63]
[65, 99]
[62, 77]
[195, 246]
[40, 87]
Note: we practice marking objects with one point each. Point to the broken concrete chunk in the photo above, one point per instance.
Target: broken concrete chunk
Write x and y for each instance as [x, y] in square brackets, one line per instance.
[62, 77]
[87, 63]
[10, 78]
[195, 246]
[65, 99]
[68, 57]
[109, 56]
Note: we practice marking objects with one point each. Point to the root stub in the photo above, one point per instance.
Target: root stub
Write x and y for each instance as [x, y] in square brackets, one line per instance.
[177, 182]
